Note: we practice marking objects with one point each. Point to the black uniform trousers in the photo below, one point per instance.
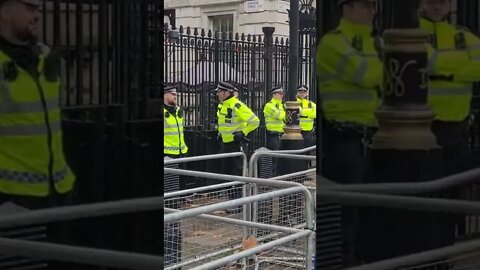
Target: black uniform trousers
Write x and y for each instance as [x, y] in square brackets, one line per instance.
[265, 208]
[345, 162]
[307, 138]
[457, 158]
[233, 166]
[172, 239]
[274, 142]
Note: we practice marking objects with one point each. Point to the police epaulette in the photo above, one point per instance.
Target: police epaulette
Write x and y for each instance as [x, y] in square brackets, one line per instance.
[238, 105]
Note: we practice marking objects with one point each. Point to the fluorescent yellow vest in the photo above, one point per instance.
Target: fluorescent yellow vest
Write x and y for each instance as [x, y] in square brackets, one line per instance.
[31, 152]
[173, 139]
[350, 74]
[274, 114]
[234, 116]
[308, 114]
[457, 53]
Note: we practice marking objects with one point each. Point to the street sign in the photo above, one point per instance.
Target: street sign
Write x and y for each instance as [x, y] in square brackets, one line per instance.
[254, 6]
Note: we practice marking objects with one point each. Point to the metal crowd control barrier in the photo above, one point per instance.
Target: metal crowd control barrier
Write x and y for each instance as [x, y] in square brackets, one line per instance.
[211, 157]
[466, 253]
[81, 255]
[278, 243]
[469, 181]
[246, 191]
[461, 255]
[307, 177]
[287, 216]
[286, 210]
[253, 163]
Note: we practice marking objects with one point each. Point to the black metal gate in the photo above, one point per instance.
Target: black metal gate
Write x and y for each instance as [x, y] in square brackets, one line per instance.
[110, 56]
[197, 59]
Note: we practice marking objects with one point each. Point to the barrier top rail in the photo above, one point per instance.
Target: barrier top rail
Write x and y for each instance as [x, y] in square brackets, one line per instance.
[210, 157]
[81, 255]
[239, 222]
[200, 189]
[275, 183]
[204, 157]
[295, 174]
[193, 212]
[404, 202]
[65, 213]
[407, 188]
[278, 153]
[422, 257]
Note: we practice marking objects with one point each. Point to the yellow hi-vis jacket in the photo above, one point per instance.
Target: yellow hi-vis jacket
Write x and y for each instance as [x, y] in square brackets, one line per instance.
[173, 139]
[235, 116]
[308, 114]
[274, 113]
[350, 74]
[455, 52]
[31, 152]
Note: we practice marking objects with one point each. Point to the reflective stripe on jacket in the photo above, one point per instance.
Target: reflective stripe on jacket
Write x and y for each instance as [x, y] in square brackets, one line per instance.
[173, 138]
[235, 116]
[31, 151]
[454, 51]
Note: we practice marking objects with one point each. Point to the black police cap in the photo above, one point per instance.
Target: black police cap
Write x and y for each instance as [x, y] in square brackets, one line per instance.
[302, 88]
[278, 89]
[170, 89]
[225, 86]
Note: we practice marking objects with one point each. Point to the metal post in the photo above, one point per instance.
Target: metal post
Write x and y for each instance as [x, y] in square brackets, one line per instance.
[404, 149]
[293, 50]
[268, 56]
[292, 137]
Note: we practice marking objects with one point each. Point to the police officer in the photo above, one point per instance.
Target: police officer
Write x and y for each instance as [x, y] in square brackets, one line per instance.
[33, 170]
[454, 65]
[174, 147]
[236, 93]
[274, 113]
[173, 141]
[308, 114]
[350, 75]
[235, 122]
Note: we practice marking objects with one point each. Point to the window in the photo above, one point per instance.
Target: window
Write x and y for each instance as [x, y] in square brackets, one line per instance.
[222, 23]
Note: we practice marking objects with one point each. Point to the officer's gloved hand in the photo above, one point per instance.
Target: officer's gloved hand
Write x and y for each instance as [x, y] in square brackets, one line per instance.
[238, 136]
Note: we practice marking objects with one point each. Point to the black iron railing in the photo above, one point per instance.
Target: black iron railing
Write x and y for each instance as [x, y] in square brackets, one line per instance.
[110, 68]
[198, 59]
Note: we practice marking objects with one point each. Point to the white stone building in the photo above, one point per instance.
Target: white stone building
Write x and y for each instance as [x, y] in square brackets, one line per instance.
[237, 16]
